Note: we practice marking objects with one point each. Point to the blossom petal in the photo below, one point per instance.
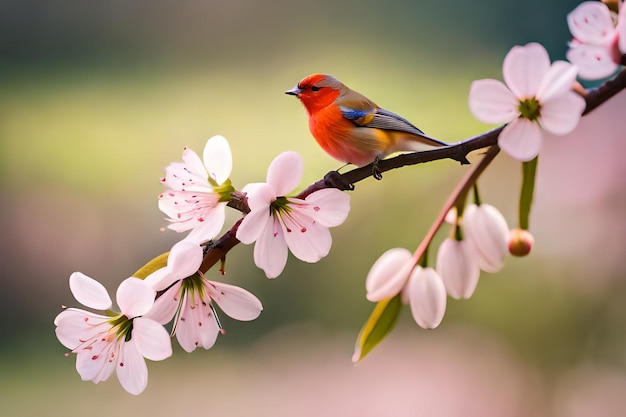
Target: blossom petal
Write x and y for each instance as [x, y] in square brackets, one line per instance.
[89, 292]
[593, 62]
[591, 22]
[389, 274]
[193, 164]
[486, 229]
[561, 114]
[235, 301]
[523, 69]
[135, 297]
[490, 101]
[260, 195]
[132, 371]
[521, 139]
[253, 225]
[166, 305]
[329, 207]
[99, 361]
[427, 295]
[308, 241]
[183, 260]
[285, 172]
[73, 326]
[457, 268]
[209, 225]
[151, 339]
[621, 29]
[197, 325]
[270, 250]
[218, 158]
[558, 81]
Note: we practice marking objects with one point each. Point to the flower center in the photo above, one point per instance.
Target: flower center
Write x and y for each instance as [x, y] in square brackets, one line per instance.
[530, 109]
[223, 190]
[122, 326]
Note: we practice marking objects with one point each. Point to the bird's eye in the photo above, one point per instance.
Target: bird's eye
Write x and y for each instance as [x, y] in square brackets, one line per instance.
[315, 88]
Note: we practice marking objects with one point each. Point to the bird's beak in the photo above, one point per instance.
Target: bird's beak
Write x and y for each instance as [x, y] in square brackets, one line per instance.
[294, 91]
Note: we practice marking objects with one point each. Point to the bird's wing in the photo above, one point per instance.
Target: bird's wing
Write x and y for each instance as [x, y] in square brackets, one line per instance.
[381, 119]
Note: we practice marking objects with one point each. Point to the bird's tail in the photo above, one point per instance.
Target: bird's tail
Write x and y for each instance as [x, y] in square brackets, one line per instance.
[421, 143]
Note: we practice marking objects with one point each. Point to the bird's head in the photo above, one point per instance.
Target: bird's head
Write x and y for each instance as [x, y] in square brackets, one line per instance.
[317, 91]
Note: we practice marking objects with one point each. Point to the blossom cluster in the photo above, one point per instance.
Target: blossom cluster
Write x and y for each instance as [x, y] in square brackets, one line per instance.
[171, 296]
[178, 292]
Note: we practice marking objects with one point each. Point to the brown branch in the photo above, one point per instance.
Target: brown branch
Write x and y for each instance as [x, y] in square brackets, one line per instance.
[458, 152]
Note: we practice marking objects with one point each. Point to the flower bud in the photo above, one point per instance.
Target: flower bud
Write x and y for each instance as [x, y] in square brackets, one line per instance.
[520, 242]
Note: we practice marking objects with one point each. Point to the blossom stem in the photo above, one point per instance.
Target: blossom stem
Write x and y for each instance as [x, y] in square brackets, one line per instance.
[529, 170]
[458, 194]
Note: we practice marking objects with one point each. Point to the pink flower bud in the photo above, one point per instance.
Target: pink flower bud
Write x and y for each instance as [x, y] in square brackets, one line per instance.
[520, 242]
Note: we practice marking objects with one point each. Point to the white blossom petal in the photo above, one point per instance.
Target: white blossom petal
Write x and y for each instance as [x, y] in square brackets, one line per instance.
[521, 139]
[235, 301]
[558, 81]
[427, 297]
[270, 250]
[308, 241]
[209, 225]
[166, 305]
[457, 268]
[561, 114]
[253, 225]
[260, 195]
[389, 274]
[218, 158]
[285, 172]
[132, 371]
[591, 22]
[135, 297]
[193, 165]
[523, 69]
[89, 292]
[593, 62]
[73, 326]
[329, 207]
[151, 339]
[486, 228]
[97, 363]
[621, 29]
[197, 325]
[490, 101]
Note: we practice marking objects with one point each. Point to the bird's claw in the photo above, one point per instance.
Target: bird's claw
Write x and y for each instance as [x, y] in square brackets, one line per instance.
[376, 170]
[335, 180]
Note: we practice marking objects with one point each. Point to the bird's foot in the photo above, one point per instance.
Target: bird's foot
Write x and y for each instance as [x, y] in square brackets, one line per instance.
[376, 170]
[335, 180]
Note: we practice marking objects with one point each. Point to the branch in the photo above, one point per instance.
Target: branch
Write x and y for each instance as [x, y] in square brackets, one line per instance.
[457, 151]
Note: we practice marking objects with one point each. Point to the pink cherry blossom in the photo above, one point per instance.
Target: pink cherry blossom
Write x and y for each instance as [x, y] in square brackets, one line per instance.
[278, 223]
[189, 298]
[198, 190]
[537, 96]
[395, 272]
[113, 342]
[599, 39]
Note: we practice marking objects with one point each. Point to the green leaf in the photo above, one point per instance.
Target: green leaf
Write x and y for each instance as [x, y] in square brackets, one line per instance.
[529, 170]
[154, 264]
[379, 323]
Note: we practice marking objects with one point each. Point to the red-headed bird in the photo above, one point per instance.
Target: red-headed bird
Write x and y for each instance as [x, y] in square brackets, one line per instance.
[352, 128]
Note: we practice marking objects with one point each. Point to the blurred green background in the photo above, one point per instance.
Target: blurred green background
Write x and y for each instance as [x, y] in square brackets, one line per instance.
[96, 98]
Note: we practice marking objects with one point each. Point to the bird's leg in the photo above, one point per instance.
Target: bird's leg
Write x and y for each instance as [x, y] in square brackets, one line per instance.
[335, 180]
[375, 170]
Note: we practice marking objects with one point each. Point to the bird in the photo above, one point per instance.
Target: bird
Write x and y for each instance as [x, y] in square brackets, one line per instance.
[352, 128]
